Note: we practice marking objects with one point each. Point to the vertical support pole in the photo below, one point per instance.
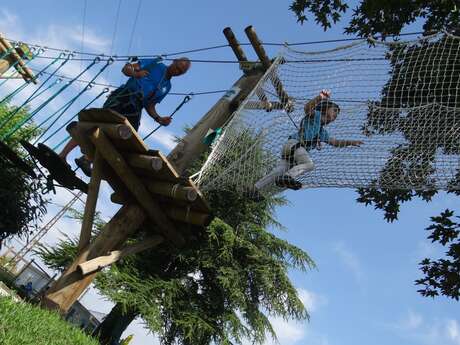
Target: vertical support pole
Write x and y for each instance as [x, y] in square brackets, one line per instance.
[260, 51]
[91, 201]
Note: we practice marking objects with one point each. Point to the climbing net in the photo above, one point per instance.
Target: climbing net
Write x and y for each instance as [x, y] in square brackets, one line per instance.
[401, 99]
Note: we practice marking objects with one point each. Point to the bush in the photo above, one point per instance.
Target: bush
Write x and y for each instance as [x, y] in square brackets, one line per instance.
[22, 323]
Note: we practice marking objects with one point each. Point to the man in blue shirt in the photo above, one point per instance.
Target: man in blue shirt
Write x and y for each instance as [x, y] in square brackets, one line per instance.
[149, 82]
[295, 159]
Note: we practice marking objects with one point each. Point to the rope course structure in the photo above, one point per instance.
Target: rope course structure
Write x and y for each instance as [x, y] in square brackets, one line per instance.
[400, 99]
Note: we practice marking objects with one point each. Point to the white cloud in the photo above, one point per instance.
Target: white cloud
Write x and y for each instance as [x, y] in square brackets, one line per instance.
[427, 330]
[312, 301]
[351, 262]
[412, 321]
[287, 332]
[453, 331]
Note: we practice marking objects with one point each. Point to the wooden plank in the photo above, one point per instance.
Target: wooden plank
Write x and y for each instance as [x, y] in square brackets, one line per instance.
[91, 202]
[135, 144]
[100, 262]
[136, 187]
[101, 115]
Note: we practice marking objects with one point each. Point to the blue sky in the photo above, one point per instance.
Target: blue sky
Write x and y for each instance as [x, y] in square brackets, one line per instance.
[362, 291]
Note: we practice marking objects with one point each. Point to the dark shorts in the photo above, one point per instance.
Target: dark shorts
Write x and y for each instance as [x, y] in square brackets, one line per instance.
[127, 104]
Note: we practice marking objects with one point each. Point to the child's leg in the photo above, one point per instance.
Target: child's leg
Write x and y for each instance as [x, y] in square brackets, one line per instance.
[303, 163]
[279, 170]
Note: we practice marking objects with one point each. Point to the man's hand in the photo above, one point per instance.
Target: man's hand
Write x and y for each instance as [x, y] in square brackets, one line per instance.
[140, 74]
[325, 94]
[355, 143]
[163, 120]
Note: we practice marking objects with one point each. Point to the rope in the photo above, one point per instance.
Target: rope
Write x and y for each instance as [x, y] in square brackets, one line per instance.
[134, 26]
[35, 94]
[184, 101]
[74, 116]
[89, 86]
[44, 104]
[23, 86]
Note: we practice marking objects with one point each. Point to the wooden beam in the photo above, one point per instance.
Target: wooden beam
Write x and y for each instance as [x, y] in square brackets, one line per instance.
[5, 45]
[174, 191]
[65, 291]
[91, 202]
[234, 44]
[257, 45]
[144, 162]
[100, 262]
[262, 55]
[185, 215]
[136, 187]
[191, 145]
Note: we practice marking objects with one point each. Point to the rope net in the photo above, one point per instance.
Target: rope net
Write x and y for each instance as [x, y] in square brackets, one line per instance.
[400, 99]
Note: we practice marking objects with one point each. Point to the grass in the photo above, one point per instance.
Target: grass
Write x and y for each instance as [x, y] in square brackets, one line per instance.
[25, 324]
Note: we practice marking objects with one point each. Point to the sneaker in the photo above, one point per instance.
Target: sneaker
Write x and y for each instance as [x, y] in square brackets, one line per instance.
[84, 164]
[287, 181]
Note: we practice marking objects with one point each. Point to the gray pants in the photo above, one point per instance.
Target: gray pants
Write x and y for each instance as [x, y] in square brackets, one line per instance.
[294, 162]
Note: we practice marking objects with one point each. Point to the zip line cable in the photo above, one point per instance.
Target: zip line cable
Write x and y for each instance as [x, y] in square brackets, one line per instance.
[184, 101]
[223, 46]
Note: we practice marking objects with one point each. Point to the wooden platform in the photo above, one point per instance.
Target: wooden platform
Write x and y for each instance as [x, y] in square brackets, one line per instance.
[136, 174]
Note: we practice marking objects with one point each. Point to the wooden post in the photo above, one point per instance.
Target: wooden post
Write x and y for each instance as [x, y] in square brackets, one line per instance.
[233, 42]
[91, 201]
[260, 51]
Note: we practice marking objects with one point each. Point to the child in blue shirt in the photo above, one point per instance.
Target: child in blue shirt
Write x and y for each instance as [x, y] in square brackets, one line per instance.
[295, 159]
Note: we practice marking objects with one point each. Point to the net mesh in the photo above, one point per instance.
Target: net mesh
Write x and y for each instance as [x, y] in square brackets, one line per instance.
[401, 99]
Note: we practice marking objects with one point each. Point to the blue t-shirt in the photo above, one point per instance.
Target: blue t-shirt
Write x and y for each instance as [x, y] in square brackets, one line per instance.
[153, 87]
[312, 130]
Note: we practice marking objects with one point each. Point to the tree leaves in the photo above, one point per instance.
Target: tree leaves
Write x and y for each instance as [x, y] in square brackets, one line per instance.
[442, 276]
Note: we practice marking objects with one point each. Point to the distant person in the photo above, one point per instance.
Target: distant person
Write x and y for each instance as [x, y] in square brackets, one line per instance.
[28, 288]
[295, 158]
[149, 82]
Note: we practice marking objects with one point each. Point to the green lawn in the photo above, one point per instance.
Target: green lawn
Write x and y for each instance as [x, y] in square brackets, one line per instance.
[25, 324]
